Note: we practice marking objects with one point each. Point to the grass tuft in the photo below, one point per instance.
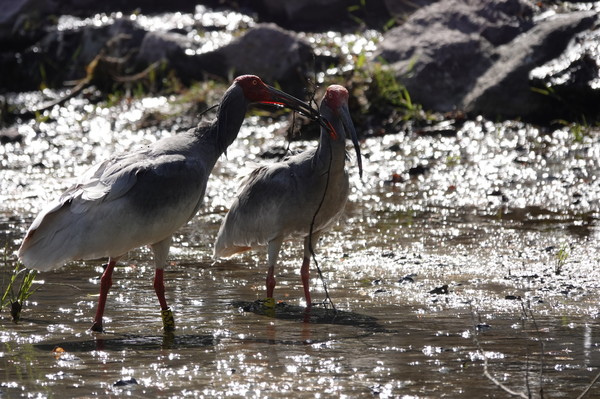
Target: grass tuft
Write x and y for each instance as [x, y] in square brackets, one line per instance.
[17, 287]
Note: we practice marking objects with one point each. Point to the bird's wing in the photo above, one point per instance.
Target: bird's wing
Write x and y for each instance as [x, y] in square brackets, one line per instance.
[257, 213]
[114, 178]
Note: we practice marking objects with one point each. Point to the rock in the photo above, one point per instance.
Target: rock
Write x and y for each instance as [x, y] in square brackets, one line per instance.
[274, 54]
[505, 90]
[440, 51]
[159, 45]
[492, 58]
[400, 9]
[22, 22]
[319, 15]
[10, 135]
[573, 78]
[86, 8]
[266, 50]
[64, 55]
[126, 382]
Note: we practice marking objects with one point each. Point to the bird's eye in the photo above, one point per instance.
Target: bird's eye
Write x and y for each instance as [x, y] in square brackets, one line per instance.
[255, 82]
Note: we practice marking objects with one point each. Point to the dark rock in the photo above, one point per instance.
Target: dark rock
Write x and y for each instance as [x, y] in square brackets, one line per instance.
[407, 279]
[123, 383]
[513, 297]
[22, 22]
[159, 45]
[10, 135]
[504, 90]
[440, 290]
[64, 55]
[274, 54]
[418, 170]
[85, 8]
[439, 52]
[573, 78]
[400, 9]
[492, 58]
[319, 15]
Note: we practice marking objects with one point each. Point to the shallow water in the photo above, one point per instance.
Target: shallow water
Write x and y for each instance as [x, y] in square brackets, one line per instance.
[447, 261]
[447, 264]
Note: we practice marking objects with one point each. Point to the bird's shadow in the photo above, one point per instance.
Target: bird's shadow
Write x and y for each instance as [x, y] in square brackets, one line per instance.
[132, 342]
[313, 315]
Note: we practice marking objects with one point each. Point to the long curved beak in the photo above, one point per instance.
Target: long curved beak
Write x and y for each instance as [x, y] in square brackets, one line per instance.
[283, 99]
[349, 126]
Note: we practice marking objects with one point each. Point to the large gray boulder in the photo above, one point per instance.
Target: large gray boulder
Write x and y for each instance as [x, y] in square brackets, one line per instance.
[573, 78]
[488, 58]
[274, 54]
[266, 50]
[441, 50]
[506, 89]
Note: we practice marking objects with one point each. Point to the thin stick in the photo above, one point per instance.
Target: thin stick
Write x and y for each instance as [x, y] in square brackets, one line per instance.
[587, 389]
[542, 347]
[485, 364]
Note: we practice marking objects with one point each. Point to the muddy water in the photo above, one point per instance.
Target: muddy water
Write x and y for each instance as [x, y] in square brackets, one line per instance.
[447, 266]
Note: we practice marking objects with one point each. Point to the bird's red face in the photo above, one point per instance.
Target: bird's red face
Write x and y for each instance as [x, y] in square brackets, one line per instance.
[256, 91]
[336, 97]
[336, 100]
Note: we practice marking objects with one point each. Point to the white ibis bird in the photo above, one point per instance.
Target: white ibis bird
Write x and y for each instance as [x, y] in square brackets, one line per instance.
[302, 196]
[143, 197]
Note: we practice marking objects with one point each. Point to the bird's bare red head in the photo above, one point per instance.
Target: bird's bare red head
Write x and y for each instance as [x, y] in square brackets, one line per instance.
[336, 96]
[254, 88]
[256, 91]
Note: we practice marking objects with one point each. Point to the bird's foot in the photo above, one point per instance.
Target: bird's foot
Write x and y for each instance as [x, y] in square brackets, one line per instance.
[168, 319]
[268, 307]
[97, 327]
[269, 303]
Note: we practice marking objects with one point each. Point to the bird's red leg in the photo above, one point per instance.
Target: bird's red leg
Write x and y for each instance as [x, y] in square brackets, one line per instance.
[159, 288]
[105, 284]
[272, 255]
[271, 281]
[305, 275]
[166, 313]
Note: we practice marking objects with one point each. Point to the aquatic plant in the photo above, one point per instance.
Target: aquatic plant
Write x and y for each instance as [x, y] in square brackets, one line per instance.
[20, 280]
[561, 258]
[383, 94]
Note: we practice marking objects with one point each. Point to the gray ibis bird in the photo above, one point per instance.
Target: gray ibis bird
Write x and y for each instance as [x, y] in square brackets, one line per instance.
[302, 196]
[142, 197]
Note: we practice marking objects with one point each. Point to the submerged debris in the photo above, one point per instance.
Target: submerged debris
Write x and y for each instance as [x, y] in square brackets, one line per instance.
[126, 382]
[315, 314]
[443, 290]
